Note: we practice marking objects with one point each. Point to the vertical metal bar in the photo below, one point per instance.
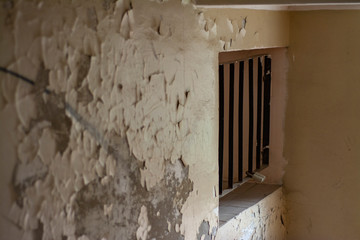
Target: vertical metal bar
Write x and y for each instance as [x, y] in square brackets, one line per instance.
[221, 124]
[240, 129]
[251, 117]
[267, 95]
[231, 126]
[236, 122]
[258, 123]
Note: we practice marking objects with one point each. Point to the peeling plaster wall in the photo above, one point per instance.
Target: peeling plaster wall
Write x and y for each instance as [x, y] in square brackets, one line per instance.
[236, 29]
[117, 138]
[322, 126]
[117, 147]
[264, 220]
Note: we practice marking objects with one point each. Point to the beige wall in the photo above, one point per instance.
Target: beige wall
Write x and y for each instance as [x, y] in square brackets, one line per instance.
[322, 137]
[240, 29]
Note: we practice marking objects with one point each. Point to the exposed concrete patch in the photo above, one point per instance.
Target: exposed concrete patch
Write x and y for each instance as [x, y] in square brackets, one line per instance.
[8, 6]
[168, 207]
[83, 67]
[204, 231]
[92, 18]
[122, 191]
[127, 197]
[50, 117]
[51, 108]
[25, 175]
[108, 4]
[38, 233]
[84, 95]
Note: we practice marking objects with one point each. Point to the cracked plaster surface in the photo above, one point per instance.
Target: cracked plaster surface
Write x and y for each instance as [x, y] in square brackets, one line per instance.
[129, 120]
[122, 119]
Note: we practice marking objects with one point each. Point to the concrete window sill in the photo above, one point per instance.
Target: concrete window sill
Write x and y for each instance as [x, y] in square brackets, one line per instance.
[242, 198]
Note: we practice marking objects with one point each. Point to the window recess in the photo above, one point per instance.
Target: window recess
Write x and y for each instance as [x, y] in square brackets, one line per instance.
[244, 116]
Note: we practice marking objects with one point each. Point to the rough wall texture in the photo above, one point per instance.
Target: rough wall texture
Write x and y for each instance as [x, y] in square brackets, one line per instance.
[239, 29]
[264, 220]
[117, 137]
[322, 126]
[106, 143]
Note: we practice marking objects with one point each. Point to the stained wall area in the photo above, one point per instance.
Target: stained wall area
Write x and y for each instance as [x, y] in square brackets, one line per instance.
[115, 135]
[322, 131]
[109, 141]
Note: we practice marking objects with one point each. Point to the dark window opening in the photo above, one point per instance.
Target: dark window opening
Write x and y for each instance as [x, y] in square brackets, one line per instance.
[244, 118]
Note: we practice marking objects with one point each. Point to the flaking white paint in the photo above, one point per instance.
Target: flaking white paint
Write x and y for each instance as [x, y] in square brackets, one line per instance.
[264, 220]
[147, 74]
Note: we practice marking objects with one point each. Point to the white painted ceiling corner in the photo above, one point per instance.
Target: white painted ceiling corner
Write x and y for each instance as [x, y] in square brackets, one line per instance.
[281, 5]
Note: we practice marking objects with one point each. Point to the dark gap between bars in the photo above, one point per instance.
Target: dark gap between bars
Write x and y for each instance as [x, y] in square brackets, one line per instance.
[267, 93]
[251, 117]
[221, 125]
[259, 106]
[231, 127]
[240, 128]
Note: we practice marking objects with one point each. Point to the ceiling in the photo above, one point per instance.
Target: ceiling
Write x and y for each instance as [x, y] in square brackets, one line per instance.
[281, 4]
